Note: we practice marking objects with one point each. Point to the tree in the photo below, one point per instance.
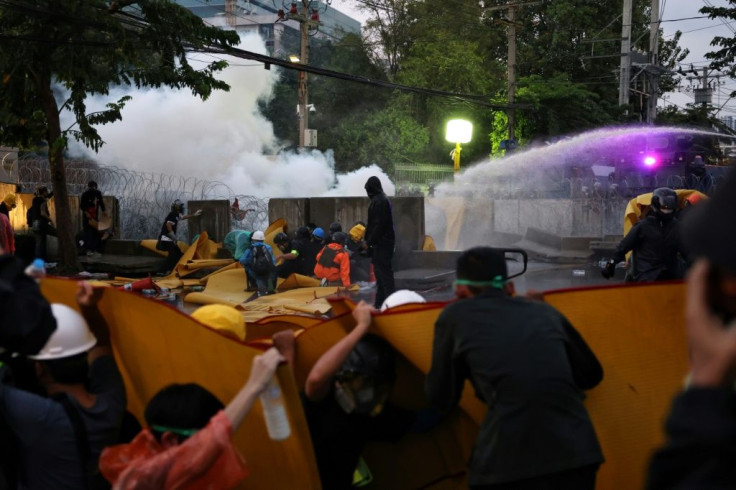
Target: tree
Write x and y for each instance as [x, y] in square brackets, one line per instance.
[387, 31]
[56, 53]
[723, 58]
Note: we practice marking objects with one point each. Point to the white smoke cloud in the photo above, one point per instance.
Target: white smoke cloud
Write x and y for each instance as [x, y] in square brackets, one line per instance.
[224, 138]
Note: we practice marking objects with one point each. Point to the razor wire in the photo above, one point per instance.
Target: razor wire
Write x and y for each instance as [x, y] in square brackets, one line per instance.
[144, 199]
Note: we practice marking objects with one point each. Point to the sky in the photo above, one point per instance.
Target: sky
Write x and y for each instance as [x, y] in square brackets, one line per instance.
[697, 33]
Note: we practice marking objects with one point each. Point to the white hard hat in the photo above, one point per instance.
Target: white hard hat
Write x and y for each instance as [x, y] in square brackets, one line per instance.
[258, 236]
[71, 337]
[402, 297]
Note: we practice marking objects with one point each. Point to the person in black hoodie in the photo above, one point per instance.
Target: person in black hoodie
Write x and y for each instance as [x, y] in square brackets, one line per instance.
[655, 242]
[380, 239]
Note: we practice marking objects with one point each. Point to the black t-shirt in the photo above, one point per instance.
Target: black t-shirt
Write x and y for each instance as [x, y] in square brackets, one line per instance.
[339, 438]
[172, 217]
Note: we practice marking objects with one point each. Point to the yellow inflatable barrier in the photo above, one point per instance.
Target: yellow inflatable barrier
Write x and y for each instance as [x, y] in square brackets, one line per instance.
[636, 331]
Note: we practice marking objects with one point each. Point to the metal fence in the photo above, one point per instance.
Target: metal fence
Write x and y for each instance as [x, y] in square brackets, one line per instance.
[144, 198]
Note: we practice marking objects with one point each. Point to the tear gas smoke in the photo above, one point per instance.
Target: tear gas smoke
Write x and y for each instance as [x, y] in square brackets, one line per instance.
[224, 138]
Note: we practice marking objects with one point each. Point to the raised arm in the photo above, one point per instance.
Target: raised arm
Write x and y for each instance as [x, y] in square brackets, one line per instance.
[262, 370]
[323, 372]
[87, 299]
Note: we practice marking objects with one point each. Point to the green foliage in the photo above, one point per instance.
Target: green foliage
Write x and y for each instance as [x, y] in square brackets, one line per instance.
[724, 57]
[382, 138]
[56, 53]
[85, 47]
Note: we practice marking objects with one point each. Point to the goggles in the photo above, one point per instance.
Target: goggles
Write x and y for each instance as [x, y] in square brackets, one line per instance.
[497, 282]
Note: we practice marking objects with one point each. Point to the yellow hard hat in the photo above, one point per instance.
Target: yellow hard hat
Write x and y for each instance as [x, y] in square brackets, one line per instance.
[357, 233]
[9, 200]
[223, 318]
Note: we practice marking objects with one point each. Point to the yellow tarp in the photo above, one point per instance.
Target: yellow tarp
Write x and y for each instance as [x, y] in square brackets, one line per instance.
[638, 205]
[636, 331]
[227, 287]
[151, 245]
[156, 345]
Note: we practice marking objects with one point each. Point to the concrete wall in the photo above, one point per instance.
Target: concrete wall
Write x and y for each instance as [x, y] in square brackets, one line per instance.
[215, 219]
[408, 215]
[562, 217]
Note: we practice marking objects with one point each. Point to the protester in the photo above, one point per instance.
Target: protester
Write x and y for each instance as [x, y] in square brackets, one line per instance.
[188, 442]
[7, 235]
[302, 244]
[345, 401]
[698, 177]
[380, 239]
[335, 227]
[260, 265]
[291, 261]
[333, 262]
[530, 366]
[654, 242]
[7, 205]
[701, 427]
[360, 262]
[93, 209]
[61, 436]
[167, 241]
[316, 243]
[25, 316]
[40, 219]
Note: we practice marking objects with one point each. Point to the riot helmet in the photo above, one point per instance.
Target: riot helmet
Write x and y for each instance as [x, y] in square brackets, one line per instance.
[319, 233]
[340, 237]
[280, 238]
[664, 202]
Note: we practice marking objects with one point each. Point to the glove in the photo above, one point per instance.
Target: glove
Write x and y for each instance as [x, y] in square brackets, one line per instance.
[198, 212]
[172, 236]
[609, 270]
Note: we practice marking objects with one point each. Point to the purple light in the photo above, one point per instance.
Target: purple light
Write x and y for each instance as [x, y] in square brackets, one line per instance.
[650, 161]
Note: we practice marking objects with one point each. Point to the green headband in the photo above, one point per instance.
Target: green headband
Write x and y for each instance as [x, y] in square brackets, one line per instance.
[497, 282]
[180, 432]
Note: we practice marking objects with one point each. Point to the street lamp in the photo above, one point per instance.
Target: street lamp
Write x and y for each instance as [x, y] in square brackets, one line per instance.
[458, 131]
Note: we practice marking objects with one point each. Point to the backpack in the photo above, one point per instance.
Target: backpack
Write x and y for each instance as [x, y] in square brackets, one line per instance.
[260, 262]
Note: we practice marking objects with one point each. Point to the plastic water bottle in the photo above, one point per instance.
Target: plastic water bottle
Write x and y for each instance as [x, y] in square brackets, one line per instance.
[274, 411]
[37, 269]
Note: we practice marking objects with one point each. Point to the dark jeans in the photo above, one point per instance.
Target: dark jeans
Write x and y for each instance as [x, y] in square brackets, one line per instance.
[174, 254]
[382, 268]
[265, 283]
[91, 237]
[46, 229]
[582, 478]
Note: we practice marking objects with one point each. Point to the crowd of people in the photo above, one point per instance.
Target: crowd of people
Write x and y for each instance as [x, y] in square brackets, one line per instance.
[334, 257]
[64, 423]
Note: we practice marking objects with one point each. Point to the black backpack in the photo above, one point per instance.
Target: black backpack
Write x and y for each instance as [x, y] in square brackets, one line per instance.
[261, 262]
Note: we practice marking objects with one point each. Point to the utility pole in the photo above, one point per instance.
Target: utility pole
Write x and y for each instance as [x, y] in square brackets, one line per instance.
[512, 72]
[625, 72]
[304, 58]
[654, 63]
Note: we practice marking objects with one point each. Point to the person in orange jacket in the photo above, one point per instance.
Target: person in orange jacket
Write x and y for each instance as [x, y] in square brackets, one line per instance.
[333, 261]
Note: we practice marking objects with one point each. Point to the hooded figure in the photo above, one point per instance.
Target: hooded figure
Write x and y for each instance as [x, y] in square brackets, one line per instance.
[698, 177]
[380, 239]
